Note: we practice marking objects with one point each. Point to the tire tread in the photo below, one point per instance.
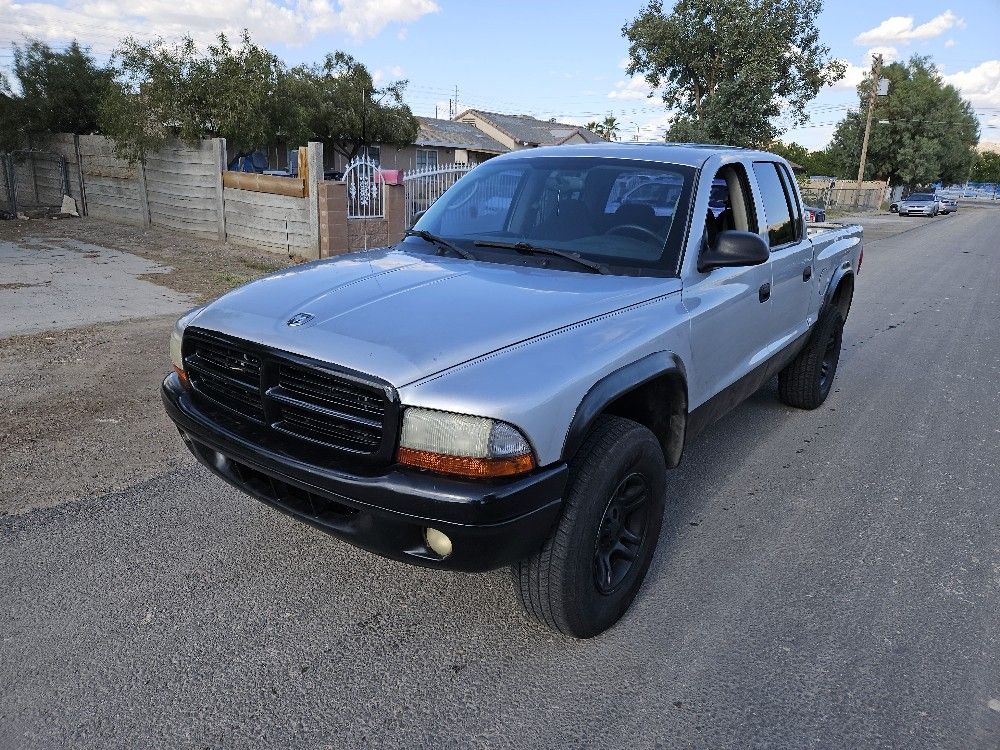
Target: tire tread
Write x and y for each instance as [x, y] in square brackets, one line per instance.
[536, 577]
[798, 383]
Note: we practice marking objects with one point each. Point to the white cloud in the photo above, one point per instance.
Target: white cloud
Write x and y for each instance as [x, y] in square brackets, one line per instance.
[980, 85]
[855, 74]
[900, 29]
[101, 24]
[396, 71]
[650, 129]
[630, 88]
[889, 54]
[950, 43]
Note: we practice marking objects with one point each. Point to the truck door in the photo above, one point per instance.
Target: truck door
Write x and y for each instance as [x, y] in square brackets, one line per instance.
[782, 225]
[729, 307]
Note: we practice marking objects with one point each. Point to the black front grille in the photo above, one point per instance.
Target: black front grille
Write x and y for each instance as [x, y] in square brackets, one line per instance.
[298, 405]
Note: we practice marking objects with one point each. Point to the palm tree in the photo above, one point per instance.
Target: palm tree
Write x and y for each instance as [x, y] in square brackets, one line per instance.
[610, 127]
[595, 127]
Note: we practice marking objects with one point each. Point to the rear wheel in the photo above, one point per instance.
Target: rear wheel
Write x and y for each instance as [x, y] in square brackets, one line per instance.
[806, 381]
[588, 572]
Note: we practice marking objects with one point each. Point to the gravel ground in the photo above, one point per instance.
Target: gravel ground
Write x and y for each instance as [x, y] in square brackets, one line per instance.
[825, 579]
[79, 409]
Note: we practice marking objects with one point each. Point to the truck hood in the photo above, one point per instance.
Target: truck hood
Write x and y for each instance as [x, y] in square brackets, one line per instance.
[403, 316]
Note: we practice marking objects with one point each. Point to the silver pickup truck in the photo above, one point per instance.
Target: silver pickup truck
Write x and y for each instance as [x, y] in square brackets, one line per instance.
[509, 385]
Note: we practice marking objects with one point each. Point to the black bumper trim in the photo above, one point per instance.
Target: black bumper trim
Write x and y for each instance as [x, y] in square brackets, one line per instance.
[491, 524]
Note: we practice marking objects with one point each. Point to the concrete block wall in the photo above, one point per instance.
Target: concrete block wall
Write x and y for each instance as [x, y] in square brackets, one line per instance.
[182, 185]
[179, 187]
[112, 185]
[279, 223]
[332, 204]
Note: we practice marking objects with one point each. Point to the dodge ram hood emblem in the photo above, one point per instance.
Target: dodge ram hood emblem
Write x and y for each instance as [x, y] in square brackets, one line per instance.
[300, 319]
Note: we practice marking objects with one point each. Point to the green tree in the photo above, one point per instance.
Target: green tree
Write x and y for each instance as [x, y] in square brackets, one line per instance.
[923, 131]
[595, 127]
[986, 167]
[11, 128]
[165, 90]
[60, 91]
[338, 103]
[609, 128]
[814, 162]
[730, 67]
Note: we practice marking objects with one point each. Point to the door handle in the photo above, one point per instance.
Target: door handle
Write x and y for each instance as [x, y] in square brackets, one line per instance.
[807, 273]
[764, 293]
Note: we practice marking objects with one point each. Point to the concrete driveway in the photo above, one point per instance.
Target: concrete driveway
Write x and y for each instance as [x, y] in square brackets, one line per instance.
[56, 283]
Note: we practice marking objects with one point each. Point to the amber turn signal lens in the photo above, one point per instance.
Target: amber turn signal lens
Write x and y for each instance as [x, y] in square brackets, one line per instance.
[465, 466]
[182, 376]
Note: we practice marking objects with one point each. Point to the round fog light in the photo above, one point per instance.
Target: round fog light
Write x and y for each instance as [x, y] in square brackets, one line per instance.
[438, 541]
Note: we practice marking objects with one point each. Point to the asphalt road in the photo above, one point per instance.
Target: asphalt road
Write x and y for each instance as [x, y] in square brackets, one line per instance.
[825, 579]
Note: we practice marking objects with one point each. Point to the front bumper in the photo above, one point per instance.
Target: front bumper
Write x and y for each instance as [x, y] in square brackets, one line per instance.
[915, 211]
[491, 524]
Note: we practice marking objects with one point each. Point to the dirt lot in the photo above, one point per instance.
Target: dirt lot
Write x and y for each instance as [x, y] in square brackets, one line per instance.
[85, 399]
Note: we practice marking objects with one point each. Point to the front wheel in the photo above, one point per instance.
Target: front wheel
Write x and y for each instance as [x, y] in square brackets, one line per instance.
[589, 570]
[806, 381]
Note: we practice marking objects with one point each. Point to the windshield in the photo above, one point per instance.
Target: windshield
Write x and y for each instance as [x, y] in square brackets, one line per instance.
[627, 215]
[920, 197]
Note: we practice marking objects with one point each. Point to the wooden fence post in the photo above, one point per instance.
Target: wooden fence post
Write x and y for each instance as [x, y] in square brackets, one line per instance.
[219, 146]
[143, 193]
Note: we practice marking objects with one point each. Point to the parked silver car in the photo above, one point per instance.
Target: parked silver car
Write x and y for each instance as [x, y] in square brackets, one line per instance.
[947, 205]
[919, 204]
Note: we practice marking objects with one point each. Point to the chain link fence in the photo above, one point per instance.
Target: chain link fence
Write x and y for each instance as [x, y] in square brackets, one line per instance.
[863, 199]
[32, 180]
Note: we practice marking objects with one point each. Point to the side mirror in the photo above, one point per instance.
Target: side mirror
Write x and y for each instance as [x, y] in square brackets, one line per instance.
[733, 248]
[416, 217]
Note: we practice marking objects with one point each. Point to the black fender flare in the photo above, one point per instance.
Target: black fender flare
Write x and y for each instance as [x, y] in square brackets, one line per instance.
[844, 270]
[616, 384]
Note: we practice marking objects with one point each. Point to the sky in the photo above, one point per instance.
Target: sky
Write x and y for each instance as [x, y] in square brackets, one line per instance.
[548, 58]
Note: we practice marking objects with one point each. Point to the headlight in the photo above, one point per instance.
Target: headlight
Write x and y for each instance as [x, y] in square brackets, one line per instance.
[459, 444]
[176, 339]
[176, 336]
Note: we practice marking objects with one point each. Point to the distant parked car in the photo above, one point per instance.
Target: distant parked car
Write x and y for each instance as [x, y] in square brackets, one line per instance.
[947, 204]
[815, 215]
[894, 207]
[919, 204]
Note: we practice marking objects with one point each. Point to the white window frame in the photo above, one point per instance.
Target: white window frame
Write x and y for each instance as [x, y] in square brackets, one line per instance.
[426, 152]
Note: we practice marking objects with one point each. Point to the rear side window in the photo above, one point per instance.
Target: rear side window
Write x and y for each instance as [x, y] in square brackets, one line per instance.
[793, 203]
[780, 224]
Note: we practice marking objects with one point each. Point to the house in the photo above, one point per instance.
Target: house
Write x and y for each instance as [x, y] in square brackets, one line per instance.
[438, 142]
[523, 131]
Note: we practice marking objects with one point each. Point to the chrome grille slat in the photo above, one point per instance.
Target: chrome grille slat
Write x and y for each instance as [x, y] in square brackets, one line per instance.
[321, 387]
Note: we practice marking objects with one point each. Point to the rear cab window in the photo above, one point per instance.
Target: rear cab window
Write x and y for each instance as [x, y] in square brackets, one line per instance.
[783, 228]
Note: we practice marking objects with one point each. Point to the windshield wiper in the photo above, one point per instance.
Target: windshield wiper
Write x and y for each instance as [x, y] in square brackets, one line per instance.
[442, 243]
[529, 249]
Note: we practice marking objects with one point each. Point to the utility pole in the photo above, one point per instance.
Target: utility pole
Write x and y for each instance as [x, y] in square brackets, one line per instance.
[876, 79]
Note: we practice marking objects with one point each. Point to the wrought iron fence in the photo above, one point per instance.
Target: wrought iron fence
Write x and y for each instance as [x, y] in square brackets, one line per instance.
[365, 193]
[424, 185]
